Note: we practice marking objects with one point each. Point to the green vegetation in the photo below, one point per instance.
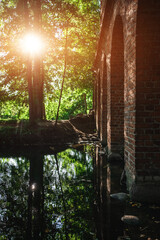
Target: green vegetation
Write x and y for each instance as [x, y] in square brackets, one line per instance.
[69, 31]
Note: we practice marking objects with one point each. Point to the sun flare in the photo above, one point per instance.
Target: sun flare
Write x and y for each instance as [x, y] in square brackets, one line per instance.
[32, 43]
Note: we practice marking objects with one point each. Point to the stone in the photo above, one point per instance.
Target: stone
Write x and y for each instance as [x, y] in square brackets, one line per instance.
[120, 196]
[130, 220]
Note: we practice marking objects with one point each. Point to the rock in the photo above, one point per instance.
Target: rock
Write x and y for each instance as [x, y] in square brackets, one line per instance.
[130, 220]
[91, 112]
[120, 196]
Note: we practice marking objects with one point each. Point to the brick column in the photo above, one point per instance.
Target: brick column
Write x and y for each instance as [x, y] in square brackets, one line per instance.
[98, 106]
[103, 117]
[95, 97]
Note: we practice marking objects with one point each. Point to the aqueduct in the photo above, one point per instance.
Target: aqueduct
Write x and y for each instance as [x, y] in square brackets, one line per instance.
[127, 90]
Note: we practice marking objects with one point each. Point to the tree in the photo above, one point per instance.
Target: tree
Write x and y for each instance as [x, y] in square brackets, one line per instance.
[82, 20]
[35, 69]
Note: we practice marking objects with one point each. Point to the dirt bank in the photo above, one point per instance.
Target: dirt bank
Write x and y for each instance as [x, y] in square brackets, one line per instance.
[19, 133]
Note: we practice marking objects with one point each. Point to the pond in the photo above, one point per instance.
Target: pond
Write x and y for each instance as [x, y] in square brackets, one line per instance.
[47, 196]
[66, 195]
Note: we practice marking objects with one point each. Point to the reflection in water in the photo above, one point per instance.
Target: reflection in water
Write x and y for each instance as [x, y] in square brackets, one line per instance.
[68, 196]
[35, 229]
[47, 197]
[108, 211]
[102, 210]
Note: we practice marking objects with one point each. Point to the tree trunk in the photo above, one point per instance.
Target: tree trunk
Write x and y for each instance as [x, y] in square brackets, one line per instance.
[37, 68]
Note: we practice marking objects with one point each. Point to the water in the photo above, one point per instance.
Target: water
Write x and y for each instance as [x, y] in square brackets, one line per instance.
[47, 196]
[52, 194]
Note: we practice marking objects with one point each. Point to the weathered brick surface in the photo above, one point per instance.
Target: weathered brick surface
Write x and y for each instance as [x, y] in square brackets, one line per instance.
[130, 41]
[148, 90]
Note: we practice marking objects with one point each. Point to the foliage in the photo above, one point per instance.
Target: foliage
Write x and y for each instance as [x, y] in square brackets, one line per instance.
[73, 102]
[13, 110]
[81, 19]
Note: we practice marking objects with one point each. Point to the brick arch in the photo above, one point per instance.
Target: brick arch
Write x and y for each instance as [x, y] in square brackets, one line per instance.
[115, 124]
[141, 81]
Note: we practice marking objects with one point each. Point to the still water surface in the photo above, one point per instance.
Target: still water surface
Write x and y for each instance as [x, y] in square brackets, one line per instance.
[67, 196]
[47, 196]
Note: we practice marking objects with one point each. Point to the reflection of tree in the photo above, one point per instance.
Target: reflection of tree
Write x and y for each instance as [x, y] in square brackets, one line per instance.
[63, 199]
[75, 173]
[35, 198]
[13, 197]
[77, 191]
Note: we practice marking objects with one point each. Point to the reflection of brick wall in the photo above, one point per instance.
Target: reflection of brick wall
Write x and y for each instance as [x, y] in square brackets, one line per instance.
[130, 40]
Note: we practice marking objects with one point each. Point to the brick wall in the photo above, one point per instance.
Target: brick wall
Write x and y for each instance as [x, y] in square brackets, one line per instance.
[119, 47]
[130, 40]
[148, 90]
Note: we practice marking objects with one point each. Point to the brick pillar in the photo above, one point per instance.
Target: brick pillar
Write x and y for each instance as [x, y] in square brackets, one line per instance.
[95, 97]
[130, 92]
[116, 103]
[98, 106]
[103, 117]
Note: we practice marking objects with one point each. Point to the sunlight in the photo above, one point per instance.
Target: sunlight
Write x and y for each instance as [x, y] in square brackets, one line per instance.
[33, 186]
[32, 43]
